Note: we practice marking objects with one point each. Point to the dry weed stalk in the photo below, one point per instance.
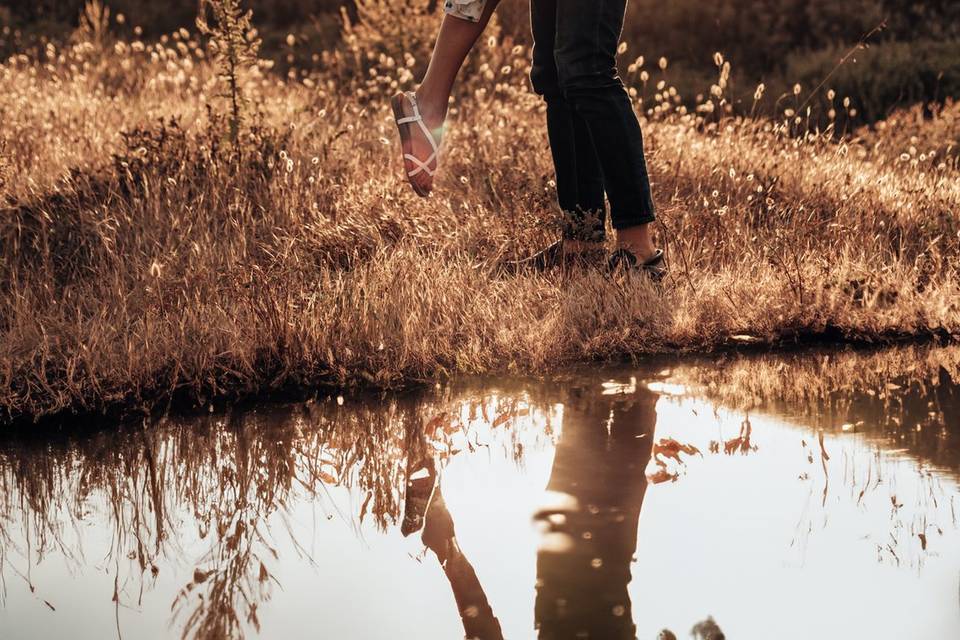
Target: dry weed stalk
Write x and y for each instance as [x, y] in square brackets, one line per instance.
[94, 24]
[235, 46]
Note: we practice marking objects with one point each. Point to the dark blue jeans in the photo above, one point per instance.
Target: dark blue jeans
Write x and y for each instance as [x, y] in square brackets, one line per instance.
[594, 134]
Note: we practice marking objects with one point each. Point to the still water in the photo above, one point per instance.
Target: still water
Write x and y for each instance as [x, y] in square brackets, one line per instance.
[805, 496]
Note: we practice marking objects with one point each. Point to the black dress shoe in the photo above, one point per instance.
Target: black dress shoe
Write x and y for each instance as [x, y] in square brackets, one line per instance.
[623, 260]
[553, 257]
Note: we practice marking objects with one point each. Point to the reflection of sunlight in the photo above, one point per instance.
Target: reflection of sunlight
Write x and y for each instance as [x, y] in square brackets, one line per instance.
[613, 388]
[668, 388]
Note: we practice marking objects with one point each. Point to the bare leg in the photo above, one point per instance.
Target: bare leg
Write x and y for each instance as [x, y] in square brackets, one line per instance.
[637, 240]
[454, 42]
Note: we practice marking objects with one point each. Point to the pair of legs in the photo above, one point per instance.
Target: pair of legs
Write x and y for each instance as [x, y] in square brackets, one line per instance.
[594, 133]
[425, 510]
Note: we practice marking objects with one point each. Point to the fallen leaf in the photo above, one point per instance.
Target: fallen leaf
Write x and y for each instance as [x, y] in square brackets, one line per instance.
[661, 476]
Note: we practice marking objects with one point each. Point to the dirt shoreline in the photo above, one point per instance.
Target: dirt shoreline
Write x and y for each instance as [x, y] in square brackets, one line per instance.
[186, 403]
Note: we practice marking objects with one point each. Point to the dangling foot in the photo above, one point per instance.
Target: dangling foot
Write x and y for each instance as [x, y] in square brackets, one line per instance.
[420, 140]
[421, 482]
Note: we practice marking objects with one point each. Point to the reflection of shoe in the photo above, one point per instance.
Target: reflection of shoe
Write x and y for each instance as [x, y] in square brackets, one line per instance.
[655, 268]
[554, 256]
[421, 481]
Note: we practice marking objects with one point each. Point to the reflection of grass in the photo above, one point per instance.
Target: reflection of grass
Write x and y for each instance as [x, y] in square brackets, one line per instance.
[231, 477]
[877, 481]
[164, 266]
[904, 399]
[817, 376]
[907, 396]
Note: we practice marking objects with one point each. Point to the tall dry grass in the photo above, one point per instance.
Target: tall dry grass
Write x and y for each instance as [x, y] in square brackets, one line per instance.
[142, 261]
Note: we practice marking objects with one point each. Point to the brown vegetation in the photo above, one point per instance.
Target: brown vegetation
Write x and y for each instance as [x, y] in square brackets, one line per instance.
[142, 258]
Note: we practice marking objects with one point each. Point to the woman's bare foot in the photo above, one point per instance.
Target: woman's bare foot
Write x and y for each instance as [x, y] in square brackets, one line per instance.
[421, 167]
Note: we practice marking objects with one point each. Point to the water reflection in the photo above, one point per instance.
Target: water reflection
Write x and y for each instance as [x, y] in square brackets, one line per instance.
[589, 526]
[224, 525]
[426, 510]
[226, 477]
[907, 397]
[590, 533]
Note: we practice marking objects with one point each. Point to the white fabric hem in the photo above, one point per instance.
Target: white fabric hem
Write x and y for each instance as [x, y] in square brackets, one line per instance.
[470, 10]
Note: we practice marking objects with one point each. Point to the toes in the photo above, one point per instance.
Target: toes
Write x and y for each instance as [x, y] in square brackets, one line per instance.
[419, 187]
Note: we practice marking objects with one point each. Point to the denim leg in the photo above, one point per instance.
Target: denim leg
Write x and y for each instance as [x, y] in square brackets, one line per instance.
[579, 179]
[585, 50]
[580, 191]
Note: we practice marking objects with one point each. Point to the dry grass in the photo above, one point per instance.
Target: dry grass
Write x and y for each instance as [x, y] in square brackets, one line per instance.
[142, 261]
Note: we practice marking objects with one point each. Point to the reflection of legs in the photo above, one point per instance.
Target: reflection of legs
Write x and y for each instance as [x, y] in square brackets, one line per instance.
[579, 178]
[425, 509]
[439, 536]
[600, 464]
[454, 41]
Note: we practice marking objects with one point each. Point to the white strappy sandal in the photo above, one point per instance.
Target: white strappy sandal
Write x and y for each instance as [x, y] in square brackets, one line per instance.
[404, 122]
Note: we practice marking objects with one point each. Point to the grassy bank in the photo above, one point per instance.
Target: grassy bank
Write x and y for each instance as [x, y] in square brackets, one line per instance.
[141, 258]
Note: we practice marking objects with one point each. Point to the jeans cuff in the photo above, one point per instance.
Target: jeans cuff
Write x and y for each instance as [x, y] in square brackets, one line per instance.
[634, 221]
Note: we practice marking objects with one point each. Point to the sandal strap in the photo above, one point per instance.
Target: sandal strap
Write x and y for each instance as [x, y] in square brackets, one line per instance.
[423, 166]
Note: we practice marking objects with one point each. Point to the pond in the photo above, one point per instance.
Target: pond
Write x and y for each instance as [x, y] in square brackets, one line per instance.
[807, 495]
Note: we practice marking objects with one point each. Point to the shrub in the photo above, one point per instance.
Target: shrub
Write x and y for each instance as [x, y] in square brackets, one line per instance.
[234, 45]
[883, 77]
[755, 35]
